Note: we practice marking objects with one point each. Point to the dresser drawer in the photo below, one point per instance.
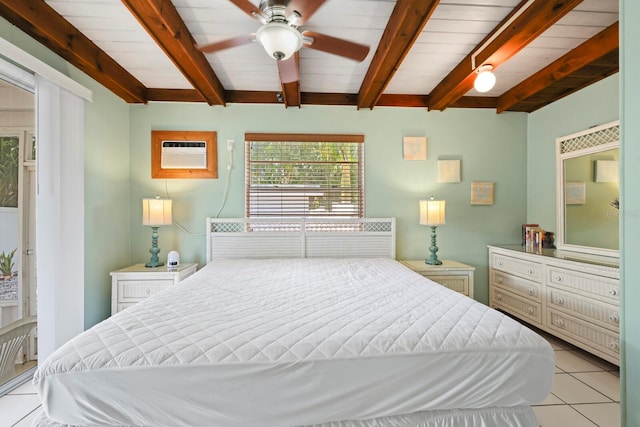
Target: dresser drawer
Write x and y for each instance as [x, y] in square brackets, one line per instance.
[134, 290]
[574, 329]
[517, 285]
[517, 305]
[602, 314]
[586, 284]
[455, 283]
[520, 267]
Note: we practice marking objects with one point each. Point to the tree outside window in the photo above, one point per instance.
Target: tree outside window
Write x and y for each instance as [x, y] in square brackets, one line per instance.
[9, 155]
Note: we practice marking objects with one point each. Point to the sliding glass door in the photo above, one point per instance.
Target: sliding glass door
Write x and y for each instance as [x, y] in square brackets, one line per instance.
[18, 342]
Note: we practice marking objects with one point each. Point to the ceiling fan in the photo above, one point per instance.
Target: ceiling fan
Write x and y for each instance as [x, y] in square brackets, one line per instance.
[281, 38]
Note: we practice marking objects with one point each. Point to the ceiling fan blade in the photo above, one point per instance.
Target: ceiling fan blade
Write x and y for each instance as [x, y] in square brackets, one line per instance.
[357, 52]
[289, 69]
[226, 44]
[247, 7]
[306, 9]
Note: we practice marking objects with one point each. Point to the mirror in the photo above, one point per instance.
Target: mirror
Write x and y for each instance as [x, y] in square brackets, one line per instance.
[588, 191]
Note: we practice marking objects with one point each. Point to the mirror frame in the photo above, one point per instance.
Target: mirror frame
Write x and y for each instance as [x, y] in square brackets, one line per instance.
[593, 140]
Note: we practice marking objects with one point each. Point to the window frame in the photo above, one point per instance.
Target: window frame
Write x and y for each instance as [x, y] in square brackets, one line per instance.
[306, 138]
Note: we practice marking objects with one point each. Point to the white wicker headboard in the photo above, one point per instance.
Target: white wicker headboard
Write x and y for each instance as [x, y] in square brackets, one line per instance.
[300, 238]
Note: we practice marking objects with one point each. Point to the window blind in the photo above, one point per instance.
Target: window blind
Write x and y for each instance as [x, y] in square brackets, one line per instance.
[304, 175]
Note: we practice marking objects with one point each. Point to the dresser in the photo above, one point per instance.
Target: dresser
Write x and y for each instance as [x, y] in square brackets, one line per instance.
[452, 274]
[572, 296]
[133, 284]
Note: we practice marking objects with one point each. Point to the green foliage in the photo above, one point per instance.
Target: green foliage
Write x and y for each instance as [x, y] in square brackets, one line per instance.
[330, 166]
[9, 171]
[6, 263]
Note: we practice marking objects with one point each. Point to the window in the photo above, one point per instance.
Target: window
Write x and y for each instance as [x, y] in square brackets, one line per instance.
[9, 149]
[304, 175]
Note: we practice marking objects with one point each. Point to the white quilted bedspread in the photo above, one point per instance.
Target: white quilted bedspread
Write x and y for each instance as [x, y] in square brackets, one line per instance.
[291, 342]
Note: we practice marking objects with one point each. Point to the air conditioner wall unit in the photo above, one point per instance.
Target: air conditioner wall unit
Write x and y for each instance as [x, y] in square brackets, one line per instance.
[184, 155]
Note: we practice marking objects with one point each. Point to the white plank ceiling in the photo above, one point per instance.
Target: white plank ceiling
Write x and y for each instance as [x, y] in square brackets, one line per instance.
[453, 31]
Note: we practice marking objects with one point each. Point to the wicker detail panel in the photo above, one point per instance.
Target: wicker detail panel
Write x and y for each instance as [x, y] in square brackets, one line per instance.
[455, 283]
[278, 244]
[516, 305]
[227, 227]
[601, 314]
[599, 338]
[135, 289]
[587, 284]
[526, 269]
[337, 245]
[592, 139]
[296, 224]
[523, 287]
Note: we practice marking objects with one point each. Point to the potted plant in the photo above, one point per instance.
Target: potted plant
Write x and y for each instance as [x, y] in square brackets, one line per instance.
[7, 264]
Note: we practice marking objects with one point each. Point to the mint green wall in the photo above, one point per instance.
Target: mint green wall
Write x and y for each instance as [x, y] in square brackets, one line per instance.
[594, 105]
[106, 179]
[491, 147]
[630, 210]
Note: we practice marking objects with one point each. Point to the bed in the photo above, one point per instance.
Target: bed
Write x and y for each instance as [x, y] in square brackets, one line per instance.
[296, 323]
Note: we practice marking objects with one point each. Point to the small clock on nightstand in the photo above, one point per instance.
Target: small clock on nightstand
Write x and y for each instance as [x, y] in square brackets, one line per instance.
[452, 274]
[133, 284]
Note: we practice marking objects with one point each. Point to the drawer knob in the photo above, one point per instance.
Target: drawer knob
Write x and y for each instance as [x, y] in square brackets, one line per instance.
[531, 310]
[147, 291]
[499, 281]
[499, 297]
[613, 346]
[499, 263]
[558, 300]
[560, 322]
[613, 318]
[613, 292]
[530, 291]
[531, 271]
[558, 278]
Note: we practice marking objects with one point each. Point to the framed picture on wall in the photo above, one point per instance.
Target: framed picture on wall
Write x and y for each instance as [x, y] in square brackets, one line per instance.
[575, 193]
[414, 148]
[448, 171]
[482, 193]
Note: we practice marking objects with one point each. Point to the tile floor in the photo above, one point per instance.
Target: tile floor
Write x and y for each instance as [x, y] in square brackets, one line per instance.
[586, 393]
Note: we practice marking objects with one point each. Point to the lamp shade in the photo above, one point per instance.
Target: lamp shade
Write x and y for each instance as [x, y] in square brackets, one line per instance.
[156, 212]
[279, 40]
[432, 212]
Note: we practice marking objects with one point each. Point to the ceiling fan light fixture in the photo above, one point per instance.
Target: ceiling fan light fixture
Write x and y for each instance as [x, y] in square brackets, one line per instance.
[485, 79]
[279, 40]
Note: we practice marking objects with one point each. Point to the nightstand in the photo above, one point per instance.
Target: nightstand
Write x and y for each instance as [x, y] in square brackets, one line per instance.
[452, 274]
[133, 284]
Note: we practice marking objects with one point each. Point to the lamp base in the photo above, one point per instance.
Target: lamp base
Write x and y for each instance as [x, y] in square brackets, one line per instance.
[433, 258]
[155, 250]
[151, 264]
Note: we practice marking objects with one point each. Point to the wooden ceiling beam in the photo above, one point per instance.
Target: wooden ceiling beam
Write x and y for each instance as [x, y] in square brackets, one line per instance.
[163, 23]
[291, 94]
[596, 47]
[507, 39]
[43, 23]
[403, 28]
[174, 95]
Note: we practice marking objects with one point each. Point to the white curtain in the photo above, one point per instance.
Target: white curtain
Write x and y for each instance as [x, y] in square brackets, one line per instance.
[59, 215]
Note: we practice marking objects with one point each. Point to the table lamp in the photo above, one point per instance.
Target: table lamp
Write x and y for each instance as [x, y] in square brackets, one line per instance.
[432, 214]
[155, 212]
